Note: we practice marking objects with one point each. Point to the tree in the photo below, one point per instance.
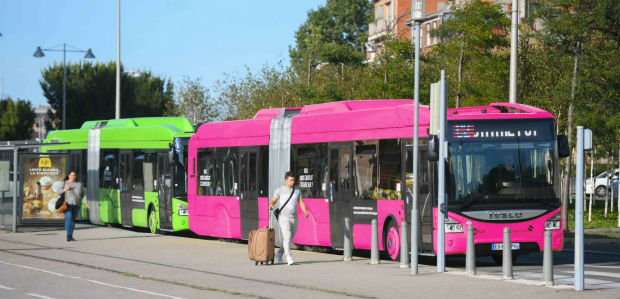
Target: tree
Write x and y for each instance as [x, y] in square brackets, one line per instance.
[16, 119]
[91, 93]
[333, 34]
[194, 101]
[473, 51]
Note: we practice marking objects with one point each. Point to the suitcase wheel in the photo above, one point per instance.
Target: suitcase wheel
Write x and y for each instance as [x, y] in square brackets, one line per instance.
[255, 263]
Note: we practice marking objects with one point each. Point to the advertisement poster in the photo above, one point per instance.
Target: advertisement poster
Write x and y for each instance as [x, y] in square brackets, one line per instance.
[42, 175]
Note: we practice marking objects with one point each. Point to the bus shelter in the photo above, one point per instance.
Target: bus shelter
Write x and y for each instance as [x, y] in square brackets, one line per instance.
[26, 179]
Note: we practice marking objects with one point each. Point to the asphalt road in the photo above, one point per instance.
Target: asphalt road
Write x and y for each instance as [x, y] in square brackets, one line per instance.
[115, 262]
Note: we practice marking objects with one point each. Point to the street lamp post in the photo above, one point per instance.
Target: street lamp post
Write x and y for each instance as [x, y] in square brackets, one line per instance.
[89, 54]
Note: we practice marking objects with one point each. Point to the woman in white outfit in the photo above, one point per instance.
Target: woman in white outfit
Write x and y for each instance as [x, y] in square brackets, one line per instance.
[288, 213]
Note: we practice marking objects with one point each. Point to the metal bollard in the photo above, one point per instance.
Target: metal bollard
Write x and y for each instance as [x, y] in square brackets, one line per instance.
[507, 255]
[347, 240]
[470, 259]
[374, 244]
[404, 248]
[548, 260]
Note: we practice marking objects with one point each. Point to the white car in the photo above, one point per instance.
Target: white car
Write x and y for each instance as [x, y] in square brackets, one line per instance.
[600, 183]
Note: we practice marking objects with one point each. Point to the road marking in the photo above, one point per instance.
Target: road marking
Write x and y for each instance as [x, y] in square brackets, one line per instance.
[604, 266]
[6, 288]
[89, 280]
[38, 296]
[598, 273]
[132, 289]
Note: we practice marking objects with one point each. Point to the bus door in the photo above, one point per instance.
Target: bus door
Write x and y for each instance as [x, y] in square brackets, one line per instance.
[425, 196]
[340, 190]
[164, 181]
[248, 191]
[125, 187]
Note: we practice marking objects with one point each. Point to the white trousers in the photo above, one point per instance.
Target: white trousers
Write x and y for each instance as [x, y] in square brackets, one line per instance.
[286, 227]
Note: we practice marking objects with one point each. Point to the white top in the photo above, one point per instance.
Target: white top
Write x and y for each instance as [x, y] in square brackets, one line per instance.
[282, 194]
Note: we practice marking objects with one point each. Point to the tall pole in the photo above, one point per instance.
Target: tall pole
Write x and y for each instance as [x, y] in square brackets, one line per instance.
[441, 177]
[418, 14]
[514, 39]
[579, 280]
[118, 60]
[416, 116]
[64, 86]
[15, 188]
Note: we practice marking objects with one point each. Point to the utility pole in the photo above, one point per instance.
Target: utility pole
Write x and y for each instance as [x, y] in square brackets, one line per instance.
[118, 60]
[514, 41]
[418, 16]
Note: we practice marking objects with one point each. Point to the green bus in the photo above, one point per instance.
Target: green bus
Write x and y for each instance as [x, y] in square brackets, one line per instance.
[134, 170]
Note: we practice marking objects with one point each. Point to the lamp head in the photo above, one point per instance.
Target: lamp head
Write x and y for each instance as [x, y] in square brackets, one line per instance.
[38, 53]
[89, 54]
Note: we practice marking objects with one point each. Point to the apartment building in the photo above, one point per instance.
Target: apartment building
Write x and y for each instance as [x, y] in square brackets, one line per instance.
[393, 18]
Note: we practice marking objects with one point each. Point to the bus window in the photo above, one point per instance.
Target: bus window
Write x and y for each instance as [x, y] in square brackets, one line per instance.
[149, 168]
[389, 167]
[226, 174]
[137, 172]
[108, 169]
[263, 176]
[252, 174]
[206, 168]
[366, 170]
[309, 162]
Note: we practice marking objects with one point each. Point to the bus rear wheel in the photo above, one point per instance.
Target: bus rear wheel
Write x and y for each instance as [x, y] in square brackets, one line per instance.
[152, 217]
[391, 241]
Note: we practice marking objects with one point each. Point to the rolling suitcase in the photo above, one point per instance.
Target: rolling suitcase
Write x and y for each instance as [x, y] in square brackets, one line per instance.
[261, 243]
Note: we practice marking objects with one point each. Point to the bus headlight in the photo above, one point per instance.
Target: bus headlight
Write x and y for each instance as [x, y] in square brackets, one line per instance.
[452, 226]
[182, 210]
[553, 223]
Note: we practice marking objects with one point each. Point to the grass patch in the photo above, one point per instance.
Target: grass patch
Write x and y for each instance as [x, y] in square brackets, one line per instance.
[598, 216]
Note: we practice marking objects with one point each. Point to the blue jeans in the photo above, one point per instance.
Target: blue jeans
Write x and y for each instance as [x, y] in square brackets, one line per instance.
[70, 215]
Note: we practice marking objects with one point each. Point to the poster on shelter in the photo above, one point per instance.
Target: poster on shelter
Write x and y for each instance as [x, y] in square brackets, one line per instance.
[42, 175]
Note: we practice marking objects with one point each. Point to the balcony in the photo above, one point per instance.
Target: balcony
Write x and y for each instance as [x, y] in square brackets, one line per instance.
[377, 29]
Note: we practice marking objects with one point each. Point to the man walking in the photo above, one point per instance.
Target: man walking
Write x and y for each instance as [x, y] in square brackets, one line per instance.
[287, 196]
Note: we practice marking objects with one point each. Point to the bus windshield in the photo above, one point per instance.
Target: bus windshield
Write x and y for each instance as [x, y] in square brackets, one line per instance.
[180, 167]
[501, 171]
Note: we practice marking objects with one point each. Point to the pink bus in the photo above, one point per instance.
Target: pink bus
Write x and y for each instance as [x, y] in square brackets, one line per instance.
[354, 159]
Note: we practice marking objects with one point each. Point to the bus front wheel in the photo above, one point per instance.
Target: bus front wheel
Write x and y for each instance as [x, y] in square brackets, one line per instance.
[152, 217]
[391, 241]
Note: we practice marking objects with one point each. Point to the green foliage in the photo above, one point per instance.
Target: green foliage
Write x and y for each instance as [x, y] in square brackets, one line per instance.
[16, 119]
[598, 216]
[590, 30]
[332, 34]
[474, 53]
[193, 101]
[91, 90]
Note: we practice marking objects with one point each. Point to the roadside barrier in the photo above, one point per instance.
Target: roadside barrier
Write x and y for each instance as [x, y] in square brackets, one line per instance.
[404, 249]
[374, 245]
[548, 259]
[470, 259]
[507, 255]
[347, 240]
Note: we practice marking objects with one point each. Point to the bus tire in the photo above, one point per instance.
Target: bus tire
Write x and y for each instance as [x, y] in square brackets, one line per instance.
[152, 221]
[391, 241]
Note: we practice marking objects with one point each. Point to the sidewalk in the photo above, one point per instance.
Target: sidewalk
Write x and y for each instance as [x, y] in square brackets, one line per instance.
[221, 266]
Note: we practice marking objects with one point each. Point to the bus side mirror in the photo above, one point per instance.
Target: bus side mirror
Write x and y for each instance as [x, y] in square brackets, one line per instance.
[563, 148]
[433, 148]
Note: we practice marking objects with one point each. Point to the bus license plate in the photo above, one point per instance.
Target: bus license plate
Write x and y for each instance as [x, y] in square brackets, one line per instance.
[183, 213]
[500, 246]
